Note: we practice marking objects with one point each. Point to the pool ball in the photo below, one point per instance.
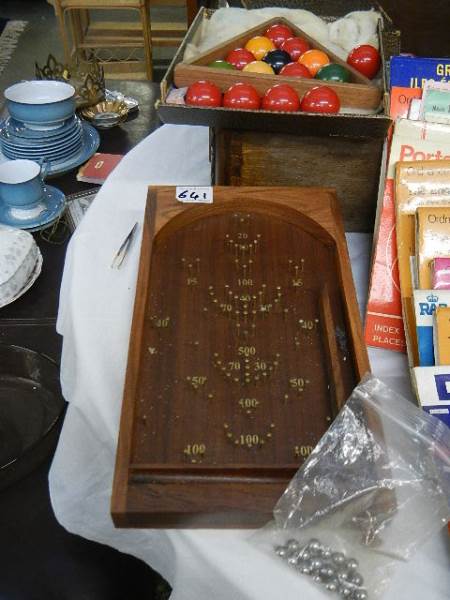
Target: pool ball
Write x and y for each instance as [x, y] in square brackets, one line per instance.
[333, 72]
[259, 46]
[221, 64]
[258, 66]
[314, 60]
[277, 59]
[295, 69]
[365, 59]
[279, 33]
[203, 93]
[242, 95]
[239, 57]
[320, 99]
[295, 47]
[281, 97]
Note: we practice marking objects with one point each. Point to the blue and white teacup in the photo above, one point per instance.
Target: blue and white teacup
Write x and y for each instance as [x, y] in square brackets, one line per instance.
[22, 188]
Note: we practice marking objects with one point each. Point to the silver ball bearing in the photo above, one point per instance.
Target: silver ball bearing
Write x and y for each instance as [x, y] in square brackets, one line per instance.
[333, 570]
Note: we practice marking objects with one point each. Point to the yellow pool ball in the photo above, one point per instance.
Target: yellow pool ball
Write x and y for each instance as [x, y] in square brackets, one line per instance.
[259, 46]
[258, 66]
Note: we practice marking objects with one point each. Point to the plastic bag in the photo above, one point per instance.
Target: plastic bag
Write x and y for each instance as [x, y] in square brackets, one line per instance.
[376, 486]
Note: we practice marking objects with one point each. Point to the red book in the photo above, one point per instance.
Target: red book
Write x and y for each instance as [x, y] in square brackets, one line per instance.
[98, 167]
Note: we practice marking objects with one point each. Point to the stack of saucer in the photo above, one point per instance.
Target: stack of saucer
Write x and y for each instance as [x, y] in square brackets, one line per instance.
[42, 126]
[20, 263]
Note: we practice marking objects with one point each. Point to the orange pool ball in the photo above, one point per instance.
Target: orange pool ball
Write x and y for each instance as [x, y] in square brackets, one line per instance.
[259, 46]
[258, 66]
[314, 60]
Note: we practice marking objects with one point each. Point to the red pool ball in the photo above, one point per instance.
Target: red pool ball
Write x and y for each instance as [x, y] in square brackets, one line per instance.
[242, 95]
[281, 97]
[203, 93]
[279, 33]
[239, 58]
[295, 47]
[295, 69]
[320, 99]
[365, 59]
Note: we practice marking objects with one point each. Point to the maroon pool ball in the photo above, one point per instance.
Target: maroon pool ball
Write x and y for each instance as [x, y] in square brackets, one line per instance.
[320, 99]
[279, 33]
[281, 97]
[295, 47]
[239, 57]
[365, 59]
[295, 69]
[203, 93]
[243, 96]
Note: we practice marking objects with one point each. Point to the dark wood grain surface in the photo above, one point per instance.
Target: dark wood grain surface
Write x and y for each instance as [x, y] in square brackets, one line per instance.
[424, 25]
[245, 342]
[350, 165]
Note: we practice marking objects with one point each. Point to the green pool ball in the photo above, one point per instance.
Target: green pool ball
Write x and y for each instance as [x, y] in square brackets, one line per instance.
[221, 64]
[334, 72]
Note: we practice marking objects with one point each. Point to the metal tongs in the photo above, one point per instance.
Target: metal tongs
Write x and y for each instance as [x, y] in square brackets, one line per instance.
[122, 251]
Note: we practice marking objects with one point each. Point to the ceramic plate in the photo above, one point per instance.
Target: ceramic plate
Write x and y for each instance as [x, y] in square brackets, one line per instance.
[33, 144]
[32, 278]
[18, 129]
[58, 154]
[40, 151]
[90, 141]
[55, 203]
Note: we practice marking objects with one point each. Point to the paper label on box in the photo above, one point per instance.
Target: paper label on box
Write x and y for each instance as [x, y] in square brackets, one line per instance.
[433, 390]
[415, 71]
[440, 273]
[194, 194]
[425, 304]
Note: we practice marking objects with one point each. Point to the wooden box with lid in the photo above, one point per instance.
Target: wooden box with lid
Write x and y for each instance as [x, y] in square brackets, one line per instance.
[341, 151]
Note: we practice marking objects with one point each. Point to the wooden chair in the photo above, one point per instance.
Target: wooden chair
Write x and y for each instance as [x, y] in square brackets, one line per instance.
[91, 37]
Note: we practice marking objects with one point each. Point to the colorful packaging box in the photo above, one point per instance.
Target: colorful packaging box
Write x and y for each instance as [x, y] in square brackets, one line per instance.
[424, 183]
[441, 336]
[433, 391]
[414, 71]
[432, 240]
[425, 304]
[440, 273]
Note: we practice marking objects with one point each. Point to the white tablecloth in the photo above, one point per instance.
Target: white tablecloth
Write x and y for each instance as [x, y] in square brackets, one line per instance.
[94, 317]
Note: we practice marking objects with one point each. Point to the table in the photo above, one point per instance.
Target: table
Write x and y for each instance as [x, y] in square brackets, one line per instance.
[33, 543]
[94, 318]
[30, 321]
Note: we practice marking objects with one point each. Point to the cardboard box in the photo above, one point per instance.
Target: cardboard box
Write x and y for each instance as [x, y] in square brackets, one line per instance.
[358, 93]
[259, 148]
[432, 386]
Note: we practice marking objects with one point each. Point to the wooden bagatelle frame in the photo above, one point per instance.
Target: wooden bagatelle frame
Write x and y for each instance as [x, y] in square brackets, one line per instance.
[184, 458]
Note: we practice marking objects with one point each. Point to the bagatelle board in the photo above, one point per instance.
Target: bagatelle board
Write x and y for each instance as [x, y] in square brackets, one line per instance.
[245, 341]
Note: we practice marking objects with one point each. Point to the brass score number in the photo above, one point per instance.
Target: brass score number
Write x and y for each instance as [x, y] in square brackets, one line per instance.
[161, 322]
[302, 451]
[195, 449]
[247, 351]
[249, 439]
[248, 402]
[298, 383]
